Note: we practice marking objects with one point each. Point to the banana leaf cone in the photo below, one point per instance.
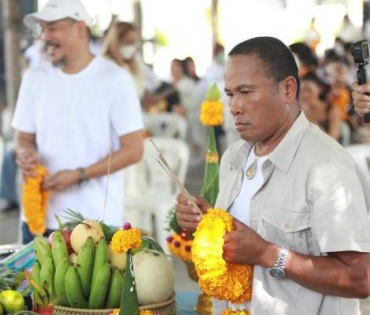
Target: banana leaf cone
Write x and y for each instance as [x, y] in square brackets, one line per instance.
[129, 301]
[210, 181]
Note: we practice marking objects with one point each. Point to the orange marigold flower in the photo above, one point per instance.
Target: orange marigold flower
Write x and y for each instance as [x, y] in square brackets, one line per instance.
[218, 278]
[212, 113]
[34, 200]
[115, 312]
[124, 240]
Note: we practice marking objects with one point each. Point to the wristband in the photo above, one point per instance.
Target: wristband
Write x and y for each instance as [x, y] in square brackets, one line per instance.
[83, 176]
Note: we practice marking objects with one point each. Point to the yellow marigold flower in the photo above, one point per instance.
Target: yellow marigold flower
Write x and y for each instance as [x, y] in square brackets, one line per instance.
[218, 278]
[179, 246]
[231, 312]
[212, 113]
[115, 312]
[34, 200]
[124, 240]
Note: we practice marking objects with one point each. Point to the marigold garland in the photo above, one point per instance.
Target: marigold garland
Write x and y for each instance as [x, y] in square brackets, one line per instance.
[231, 312]
[123, 240]
[212, 113]
[142, 312]
[35, 199]
[180, 245]
[218, 278]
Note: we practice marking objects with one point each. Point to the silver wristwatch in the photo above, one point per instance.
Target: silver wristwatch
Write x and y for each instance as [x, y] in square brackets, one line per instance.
[278, 270]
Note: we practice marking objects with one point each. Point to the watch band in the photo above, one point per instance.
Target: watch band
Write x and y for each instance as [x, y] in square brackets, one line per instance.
[83, 176]
[278, 270]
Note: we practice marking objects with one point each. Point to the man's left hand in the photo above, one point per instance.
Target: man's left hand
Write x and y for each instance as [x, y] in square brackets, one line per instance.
[62, 180]
[243, 245]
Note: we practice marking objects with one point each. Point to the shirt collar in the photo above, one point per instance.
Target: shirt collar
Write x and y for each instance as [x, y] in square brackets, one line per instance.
[283, 154]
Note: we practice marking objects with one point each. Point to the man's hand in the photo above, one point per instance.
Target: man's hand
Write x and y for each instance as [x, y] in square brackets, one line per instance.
[361, 100]
[26, 160]
[62, 180]
[188, 217]
[245, 246]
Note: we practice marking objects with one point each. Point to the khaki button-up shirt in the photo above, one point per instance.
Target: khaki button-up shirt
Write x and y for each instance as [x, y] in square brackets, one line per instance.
[315, 199]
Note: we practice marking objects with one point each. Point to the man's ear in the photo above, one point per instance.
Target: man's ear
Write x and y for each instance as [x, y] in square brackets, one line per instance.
[290, 89]
[82, 29]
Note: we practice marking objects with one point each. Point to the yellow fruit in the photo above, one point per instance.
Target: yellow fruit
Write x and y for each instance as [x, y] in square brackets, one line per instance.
[11, 301]
[82, 231]
[117, 260]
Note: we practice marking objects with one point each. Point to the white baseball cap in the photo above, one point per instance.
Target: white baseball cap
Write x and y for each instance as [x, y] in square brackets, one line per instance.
[56, 10]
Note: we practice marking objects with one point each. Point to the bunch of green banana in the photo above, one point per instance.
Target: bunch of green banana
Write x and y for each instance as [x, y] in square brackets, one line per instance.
[99, 287]
[73, 289]
[101, 257]
[42, 275]
[59, 248]
[85, 263]
[113, 297]
[47, 272]
[90, 283]
[42, 249]
[59, 280]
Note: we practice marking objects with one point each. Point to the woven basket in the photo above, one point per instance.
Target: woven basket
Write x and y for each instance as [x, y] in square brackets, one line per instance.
[164, 308]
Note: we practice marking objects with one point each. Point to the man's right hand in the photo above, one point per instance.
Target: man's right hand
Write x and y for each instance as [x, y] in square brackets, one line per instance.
[27, 159]
[361, 98]
[187, 216]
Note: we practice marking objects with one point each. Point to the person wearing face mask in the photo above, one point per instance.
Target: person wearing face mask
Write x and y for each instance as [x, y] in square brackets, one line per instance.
[79, 116]
[120, 45]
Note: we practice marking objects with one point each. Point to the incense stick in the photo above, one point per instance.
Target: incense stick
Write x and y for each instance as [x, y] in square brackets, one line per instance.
[106, 187]
[162, 162]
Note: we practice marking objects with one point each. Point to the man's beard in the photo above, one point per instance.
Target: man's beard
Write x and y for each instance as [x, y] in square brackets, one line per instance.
[60, 64]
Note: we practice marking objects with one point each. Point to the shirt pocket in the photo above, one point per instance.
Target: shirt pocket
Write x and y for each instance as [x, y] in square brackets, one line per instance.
[289, 229]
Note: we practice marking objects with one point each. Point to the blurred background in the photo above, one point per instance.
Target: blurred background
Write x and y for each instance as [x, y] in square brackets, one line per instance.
[177, 28]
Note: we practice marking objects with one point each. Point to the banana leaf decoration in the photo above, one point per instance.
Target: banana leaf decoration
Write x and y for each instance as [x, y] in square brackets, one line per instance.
[211, 116]
[129, 301]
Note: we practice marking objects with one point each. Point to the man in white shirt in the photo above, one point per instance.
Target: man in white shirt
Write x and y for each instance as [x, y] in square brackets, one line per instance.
[80, 117]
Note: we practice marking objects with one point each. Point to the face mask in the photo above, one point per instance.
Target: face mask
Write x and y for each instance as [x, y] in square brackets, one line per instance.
[128, 52]
[221, 58]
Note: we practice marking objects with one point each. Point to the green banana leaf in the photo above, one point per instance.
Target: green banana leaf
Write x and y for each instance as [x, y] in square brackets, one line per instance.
[211, 173]
[129, 301]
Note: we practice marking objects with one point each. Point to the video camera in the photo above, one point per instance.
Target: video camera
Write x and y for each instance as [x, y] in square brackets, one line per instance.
[360, 53]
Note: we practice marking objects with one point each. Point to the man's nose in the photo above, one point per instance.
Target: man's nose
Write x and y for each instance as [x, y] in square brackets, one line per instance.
[235, 105]
[45, 36]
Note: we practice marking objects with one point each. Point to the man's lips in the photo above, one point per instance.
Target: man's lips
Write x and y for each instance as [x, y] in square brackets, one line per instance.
[52, 47]
[241, 125]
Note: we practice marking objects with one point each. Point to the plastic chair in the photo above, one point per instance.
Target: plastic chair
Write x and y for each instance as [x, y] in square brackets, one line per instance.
[361, 154]
[166, 125]
[149, 191]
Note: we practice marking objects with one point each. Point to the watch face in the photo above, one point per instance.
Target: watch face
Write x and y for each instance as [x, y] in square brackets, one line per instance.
[277, 272]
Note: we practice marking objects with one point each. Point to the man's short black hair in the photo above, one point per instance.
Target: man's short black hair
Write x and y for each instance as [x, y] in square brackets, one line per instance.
[276, 57]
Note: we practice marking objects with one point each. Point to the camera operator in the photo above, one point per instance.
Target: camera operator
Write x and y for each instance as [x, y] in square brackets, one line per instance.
[361, 88]
[361, 98]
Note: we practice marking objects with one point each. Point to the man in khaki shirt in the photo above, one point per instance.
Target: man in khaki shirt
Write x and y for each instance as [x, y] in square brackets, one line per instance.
[300, 202]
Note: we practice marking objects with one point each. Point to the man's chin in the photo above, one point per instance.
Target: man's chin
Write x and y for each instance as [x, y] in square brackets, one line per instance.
[59, 63]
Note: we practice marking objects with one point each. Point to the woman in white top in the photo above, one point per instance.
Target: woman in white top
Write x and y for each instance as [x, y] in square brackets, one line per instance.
[121, 45]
